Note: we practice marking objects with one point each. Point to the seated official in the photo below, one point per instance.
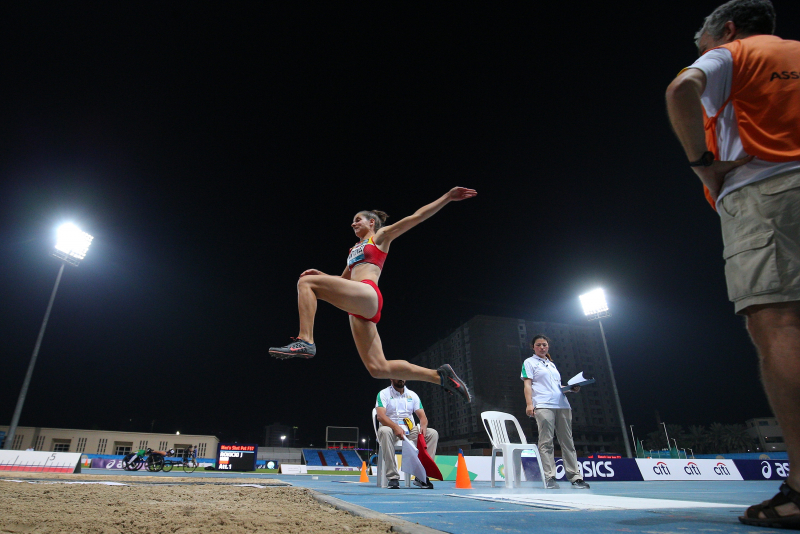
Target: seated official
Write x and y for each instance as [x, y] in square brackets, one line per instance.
[393, 405]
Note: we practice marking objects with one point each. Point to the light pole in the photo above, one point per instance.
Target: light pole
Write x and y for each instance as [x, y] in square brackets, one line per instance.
[595, 307]
[71, 247]
[634, 442]
[675, 441]
[665, 433]
[282, 438]
[690, 450]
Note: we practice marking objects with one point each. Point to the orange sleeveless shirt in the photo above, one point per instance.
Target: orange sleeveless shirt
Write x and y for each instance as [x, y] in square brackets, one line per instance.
[765, 94]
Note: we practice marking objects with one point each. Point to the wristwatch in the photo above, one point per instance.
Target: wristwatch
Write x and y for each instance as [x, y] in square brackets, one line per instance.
[705, 160]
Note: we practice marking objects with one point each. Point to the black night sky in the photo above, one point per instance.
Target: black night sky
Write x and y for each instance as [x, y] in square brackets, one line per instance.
[215, 151]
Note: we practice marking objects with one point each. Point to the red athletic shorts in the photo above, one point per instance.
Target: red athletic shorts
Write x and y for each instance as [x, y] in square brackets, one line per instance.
[380, 302]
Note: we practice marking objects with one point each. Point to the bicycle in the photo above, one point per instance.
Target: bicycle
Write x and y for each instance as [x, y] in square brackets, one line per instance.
[188, 463]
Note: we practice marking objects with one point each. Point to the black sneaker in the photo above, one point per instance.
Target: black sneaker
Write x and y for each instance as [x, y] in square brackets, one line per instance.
[394, 483]
[424, 485]
[296, 349]
[551, 483]
[451, 383]
[580, 484]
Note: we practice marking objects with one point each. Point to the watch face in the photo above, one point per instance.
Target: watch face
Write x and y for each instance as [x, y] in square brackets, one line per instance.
[708, 159]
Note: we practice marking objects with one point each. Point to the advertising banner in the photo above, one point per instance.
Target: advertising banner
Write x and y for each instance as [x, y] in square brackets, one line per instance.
[610, 469]
[763, 469]
[666, 469]
[479, 467]
[293, 469]
[106, 463]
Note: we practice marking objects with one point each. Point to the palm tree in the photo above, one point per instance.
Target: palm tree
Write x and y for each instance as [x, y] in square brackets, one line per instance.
[737, 439]
[655, 440]
[716, 438]
[698, 439]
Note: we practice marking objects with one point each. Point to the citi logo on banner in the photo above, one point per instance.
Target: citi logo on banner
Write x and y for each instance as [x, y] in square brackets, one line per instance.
[721, 469]
[692, 469]
[674, 469]
[661, 469]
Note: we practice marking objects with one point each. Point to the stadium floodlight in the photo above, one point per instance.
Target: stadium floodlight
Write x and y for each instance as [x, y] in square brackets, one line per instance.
[282, 438]
[71, 247]
[72, 244]
[595, 307]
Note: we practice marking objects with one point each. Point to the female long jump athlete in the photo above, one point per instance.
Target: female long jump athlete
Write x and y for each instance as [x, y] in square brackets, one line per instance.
[356, 292]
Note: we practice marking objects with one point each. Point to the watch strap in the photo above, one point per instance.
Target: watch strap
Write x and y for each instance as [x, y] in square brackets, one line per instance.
[705, 160]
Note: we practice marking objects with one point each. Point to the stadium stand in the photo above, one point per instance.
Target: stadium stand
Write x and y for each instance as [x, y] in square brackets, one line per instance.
[333, 457]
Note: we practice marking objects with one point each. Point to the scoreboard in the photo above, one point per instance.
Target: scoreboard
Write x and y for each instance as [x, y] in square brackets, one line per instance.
[237, 457]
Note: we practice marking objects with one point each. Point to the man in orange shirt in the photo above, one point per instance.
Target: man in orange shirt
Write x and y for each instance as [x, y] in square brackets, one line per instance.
[736, 111]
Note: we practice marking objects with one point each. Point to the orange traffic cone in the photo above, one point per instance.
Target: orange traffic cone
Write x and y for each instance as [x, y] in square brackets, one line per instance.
[462, 475]
[364, 477]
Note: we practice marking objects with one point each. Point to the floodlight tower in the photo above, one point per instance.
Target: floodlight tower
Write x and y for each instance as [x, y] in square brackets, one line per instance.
[595, 307]
[71, 247]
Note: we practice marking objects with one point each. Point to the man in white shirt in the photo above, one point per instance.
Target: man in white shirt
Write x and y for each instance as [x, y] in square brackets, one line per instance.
[736, 112]
[393, 405]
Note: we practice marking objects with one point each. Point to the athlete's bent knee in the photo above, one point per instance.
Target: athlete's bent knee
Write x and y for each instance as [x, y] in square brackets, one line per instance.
[378, 370]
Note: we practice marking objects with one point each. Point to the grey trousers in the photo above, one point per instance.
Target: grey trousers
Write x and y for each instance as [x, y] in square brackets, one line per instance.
[386, 439]
[549, 420]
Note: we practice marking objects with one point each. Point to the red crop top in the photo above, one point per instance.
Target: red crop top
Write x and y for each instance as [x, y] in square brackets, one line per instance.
[366, 251]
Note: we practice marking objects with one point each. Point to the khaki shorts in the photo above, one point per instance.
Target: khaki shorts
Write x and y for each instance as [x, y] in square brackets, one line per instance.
[761, 234]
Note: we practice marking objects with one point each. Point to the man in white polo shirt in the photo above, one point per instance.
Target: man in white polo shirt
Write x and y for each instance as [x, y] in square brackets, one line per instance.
[394, 404]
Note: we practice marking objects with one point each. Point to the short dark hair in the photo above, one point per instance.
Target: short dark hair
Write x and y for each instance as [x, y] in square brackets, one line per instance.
[752, 17]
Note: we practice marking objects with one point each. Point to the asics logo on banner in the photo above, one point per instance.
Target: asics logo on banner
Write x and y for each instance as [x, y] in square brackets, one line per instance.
[661, 469]
[766, 470]
[721, 469]
[692, 469]
[781, 468]
[597, 469]
[560, 469]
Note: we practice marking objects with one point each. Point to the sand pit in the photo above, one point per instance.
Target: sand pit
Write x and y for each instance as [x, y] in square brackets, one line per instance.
[169, 505]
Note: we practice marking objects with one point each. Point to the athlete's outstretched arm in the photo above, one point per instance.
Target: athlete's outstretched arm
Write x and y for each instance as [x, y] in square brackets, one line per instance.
[385, 235]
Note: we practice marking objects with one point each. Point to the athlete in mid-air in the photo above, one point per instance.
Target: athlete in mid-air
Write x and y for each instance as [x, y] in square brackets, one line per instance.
[356, 292]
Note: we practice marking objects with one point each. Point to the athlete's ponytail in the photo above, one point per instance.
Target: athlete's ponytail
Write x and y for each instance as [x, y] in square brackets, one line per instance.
[378, 216]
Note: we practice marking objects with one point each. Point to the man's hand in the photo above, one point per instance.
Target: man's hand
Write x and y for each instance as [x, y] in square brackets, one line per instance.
[529, 410]
[398, 431]
[423, 429]
[713, 175]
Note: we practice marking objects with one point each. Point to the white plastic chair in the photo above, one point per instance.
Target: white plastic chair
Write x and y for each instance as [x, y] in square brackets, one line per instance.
[398, 448]
[495, 425]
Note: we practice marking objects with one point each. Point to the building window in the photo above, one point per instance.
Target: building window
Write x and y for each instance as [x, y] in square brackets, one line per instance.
[17, 441]
[39, 446]
[143, 444]
[81, 445]
[61, 447]
[122, 450]
[201, 450]
[101, 446]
